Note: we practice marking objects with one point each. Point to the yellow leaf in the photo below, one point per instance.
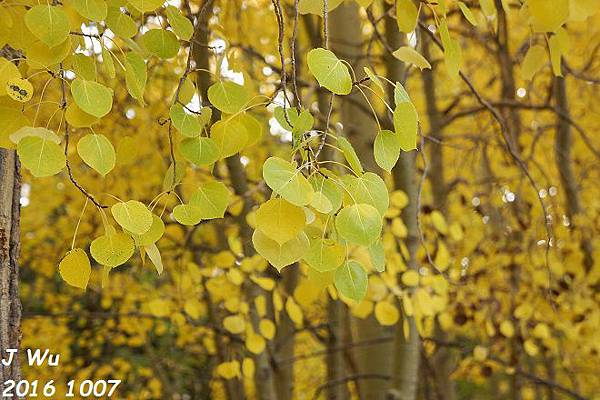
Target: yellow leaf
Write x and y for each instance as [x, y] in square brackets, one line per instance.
[267, 328]
[534, 61]
[294, 311]
[19, 89]
[280, 220]
[439, 222]
[248, 367]
[409, 55]
[265, 283]
[255, 343]
[363, 309]
[507, 328]
[75, 268]
[410, 278]
[480, 353]
[160, 308]
[234, 324]
[386, 313]
[229, 369]
[530, 348]
[546, 17]
[406, 15]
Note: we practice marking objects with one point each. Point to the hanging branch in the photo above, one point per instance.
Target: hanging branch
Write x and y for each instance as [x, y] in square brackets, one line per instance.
[67, 135]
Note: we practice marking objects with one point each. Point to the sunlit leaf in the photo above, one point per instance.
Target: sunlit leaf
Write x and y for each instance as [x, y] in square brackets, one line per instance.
[97, 152]
[280, 220]
[133, 216]
[75, 268]
[212, 198]
[42, 157]
[112, 250]
[330, 72]
[48, 23]
[92, 97]
[287, 181]
[282, 255]
[359, 224]
[351, 280]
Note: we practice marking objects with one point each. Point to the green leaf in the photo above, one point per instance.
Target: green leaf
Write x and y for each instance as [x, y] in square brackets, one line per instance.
[97, 152]
[135, 76]
[145, 6]
[92, 97]
[95, 10]
[157, 229]
[406, 15]
[112, 250]
[228, 97]
[120, 23]
[377, 255]
[368, 189]
[280, 220]
[180, 24]
[168, 182]
[282, 255]
[325, 255]
[351, 280]
[254, 129]
[161, 43]
[350, 155]
[326, 187]
[387, 149]
[292, 114]
[405, 124]
[133, 216]
[359, 224]
[186, 123]
[28, 131]
[199, 150]
[75, 268]
[285, 180]
[400, 94]
[409, 55]
[42, 157]
[467, 13]
[48, 23]
[329, 71]
[375, 80]
[108, 65]
[187, 214]
[83, 66]
[229, 135]
[154, 256]
[212, 198]
[534, 61]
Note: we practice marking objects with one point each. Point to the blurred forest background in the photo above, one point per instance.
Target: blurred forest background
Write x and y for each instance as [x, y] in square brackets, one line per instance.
[474, 303]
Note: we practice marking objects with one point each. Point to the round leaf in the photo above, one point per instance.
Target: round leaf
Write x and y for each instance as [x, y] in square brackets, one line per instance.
[369, 189]
[42, 157]
[280, 220]
[157, 229]
[133, 216]
[75, 268]
[187, 214]
[330, 71]
[199, 150]
[97, 152]
[359, 224]
[112, 250]
[95, 10]
[92, 97]
[351, 280]
[184, 122]
[19, 89]
[285, 180]
[282, 255]
[161, 43]
[325, 255]
[48, 23]
[228, 97]
[212, 198]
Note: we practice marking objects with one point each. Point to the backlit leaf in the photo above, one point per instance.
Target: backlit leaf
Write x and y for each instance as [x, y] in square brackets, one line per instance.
[409, 55]
[405, 125]
[280, 220]
[199, 150]
[112, 250]
[187, 214]
[92, 97]
[212, 198]
[351, 280]
[97, 152]
[42, 157]
[75, 268]
[330, 72]
[228, 97]
[95, 10]
[155, 257]
[325, 255]
[285, 180]
[48, 23]
[350, 155]
[19, 89]
[180, 24]
[534, 61]
[545, 18]
[282, 255]
[185, 122]
[133, 216]
[359, 224]
[387, 149]
[161, 43]
[120, 23]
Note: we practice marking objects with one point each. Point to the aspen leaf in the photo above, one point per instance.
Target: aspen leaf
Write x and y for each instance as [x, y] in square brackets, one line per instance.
[75, 268]
[160, 308]
[410, 278]
[280, 220]
[377, 256]
[466, 11]
[329, 71]
[234, 324]
[409, 55]
[282, 115]
[212, 198]
[555, 54]
[186, 123]
[41, 156]
[534, 61]
[120, 23]
[325, 255]
[40, 55]
[400, 94]
[133, 216]
[95, 10]
[155, 257]
[325, 187]
[255, 343]
[112, 250]
[8, 71]
[28, 131]
[316, 6]
[254, 128]
[442, 257]
[228, 370]
[368, 189]
[92, 97]
[248, 367]
[267, 328]
[294, 311]
[135, 76]
[187, 92]
[145, 6]
[405, 125]
[480, 353]
[19, 89]
[350, 155]
[545, 18]
[13, 120]
[531, 348]
[78, 118]
[386, 313]
[199, 150]
[229, 135]
[180, 24]
[267, 284]
[321, 203]
[228, 96]
[373, 78]
[351, 280]
[487, 8]
[285, 180]
[507, 328]
[161, 43]
[157, 229]
[359, 224]
[280, 256]
[439, 222]
[187, 214]
[406, 15]
[97, 152]
[48, 23]
[580, 10]
[387, 149]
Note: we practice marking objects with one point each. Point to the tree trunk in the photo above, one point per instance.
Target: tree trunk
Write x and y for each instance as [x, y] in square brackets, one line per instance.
[10, 305]
[405, 372]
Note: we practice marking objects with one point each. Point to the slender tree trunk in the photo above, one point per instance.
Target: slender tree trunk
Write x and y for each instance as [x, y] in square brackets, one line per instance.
[10, 305]
[564, 164]
[346, 41]
[405, 372]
